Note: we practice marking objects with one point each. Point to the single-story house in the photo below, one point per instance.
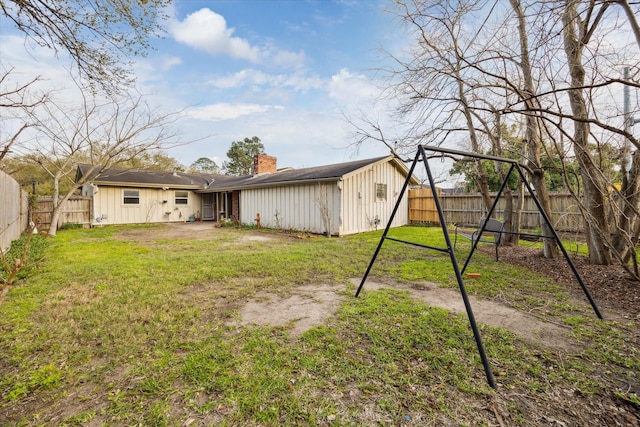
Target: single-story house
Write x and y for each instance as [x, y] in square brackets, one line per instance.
[337, 199]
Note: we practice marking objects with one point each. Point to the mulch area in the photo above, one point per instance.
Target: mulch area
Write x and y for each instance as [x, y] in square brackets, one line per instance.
[610, 286]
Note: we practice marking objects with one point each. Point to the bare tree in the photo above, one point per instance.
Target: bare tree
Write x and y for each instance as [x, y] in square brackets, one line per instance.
[580, 60]
[577, 31]
[14, 97]
[435, 83]
[105, 131]
[493, 131]
[445, 87]
[554, 73]
[533, 136]
[632, 16]
[98, 36]
[626, 231]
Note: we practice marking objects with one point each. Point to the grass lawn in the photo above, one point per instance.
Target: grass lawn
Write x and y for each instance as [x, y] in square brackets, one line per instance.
[134, 326]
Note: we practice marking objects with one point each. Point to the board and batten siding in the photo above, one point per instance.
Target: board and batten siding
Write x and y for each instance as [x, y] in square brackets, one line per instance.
[359, 205]
[109, 208]
[293, 207]
[351, 203]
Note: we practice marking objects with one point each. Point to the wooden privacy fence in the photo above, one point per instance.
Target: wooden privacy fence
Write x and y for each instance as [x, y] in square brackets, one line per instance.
[422, 206]
[468, 209]
[76, 210]
[14, 210]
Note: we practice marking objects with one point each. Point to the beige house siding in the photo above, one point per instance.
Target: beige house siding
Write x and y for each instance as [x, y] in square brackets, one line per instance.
[109, 208]
[293, 207]
[341, 199]
[360, 204]
[351, 203]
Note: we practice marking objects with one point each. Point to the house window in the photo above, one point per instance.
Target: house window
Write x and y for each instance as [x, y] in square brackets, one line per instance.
[131, 197]
[381, 192]
[182, 198]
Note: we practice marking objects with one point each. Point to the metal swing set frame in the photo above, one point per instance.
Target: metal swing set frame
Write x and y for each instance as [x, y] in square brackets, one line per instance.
[421, 156]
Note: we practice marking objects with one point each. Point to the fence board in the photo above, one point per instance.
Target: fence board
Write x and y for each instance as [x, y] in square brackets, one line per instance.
[76, 210]
[422, 206]
[469, 209]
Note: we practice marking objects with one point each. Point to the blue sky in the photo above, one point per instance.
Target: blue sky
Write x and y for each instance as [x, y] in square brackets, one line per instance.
[286, 71]
[282, 70]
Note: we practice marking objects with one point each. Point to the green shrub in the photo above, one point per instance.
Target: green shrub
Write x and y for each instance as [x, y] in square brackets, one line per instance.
[36, 246]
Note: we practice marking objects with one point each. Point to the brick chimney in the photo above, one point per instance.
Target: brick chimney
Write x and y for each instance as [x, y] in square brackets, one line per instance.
[264, 164]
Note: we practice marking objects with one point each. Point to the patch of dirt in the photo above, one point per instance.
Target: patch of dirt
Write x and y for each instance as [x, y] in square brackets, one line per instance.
[613, 290]
[530, 328]
[309, 306]
[173, 230]
[190, 230]
[251, 238]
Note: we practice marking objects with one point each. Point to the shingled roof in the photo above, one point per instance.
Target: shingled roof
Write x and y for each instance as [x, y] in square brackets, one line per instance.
[148, 178]
[209, 183]
[295, 176]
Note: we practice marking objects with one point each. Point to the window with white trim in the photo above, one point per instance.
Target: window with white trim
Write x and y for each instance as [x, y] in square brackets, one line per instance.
[181, 198]
[381, 192]
[131, 197]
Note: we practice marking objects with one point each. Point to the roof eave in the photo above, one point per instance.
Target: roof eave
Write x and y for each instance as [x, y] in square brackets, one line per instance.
[270, 184]
[398, 164]
[356, 171]
[147, 185]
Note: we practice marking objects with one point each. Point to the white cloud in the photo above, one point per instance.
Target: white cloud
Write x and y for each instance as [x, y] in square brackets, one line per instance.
[27, 61]
[297, 137]
[207, 31]
[171, 61]
[151, 73]
[303, 82]
[226, 111]
[240, 79]
[17, 47]
[283, 58]
[349, 89]
[299, 81]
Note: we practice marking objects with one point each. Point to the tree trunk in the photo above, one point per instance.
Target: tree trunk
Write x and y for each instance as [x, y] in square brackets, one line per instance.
[517, 217]
[633, 21]
[55, 215]
[508, 194]
[532, 133]
[483, 181]
[508, 216]
[625, 236]
[550, 249]
[57, 210]
[596, 225]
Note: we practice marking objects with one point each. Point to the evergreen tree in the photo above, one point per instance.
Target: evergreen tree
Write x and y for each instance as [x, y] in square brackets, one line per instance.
[241, 156]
